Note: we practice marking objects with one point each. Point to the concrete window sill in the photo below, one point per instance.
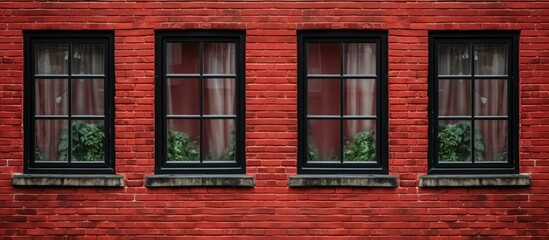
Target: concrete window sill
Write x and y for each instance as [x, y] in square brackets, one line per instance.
[199, 181]
[67, 180]
[499, 180]
[372, 181]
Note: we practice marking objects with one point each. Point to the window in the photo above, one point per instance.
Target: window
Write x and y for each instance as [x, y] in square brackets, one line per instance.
[200, 102]
[473, 83]
[69, 102]
[342, 102]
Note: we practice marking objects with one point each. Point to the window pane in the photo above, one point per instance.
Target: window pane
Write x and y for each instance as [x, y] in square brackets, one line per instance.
[491, 59]
[359, 58]
[324, 140]
[323, 96]
[51, 96]
[219, 58]
[219, 140]
[183, 96]
[88, 97]
[51, 58]
[454, 97]
[51, 140]
[491, 97]
[183, 140]
[454, 141]
[454, 59]
[88, 139]
[491, 138]
[323, 58]
[360, 140]
[219, 96]
[88, 58]
[182, 58]
[360, 97]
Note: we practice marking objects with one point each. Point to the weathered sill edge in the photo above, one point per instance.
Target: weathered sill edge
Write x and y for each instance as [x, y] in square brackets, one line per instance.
[496, 180]
[374, 181]
[67, 180]
[199, 181]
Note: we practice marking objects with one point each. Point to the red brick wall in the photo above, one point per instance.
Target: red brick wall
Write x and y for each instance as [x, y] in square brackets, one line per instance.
[271, 209]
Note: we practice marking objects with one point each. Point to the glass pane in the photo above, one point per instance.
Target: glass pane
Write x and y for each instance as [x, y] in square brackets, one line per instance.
[324, 138]
[88, 58]
[360, 140]
[490, 59]
[454, 97]
[51, 58]
[88, 139]
[491, 138]
[219, 58]
[454, 59]
[51, 96]
[51, 140]
[219, 96]
[183, 96]
[183, 140]
[323, 58]
[88, 97]
[454, 141]
[360, 97]
[359, 58]
[323, 97]
[491, 98]
[219, 140]
[182, 58]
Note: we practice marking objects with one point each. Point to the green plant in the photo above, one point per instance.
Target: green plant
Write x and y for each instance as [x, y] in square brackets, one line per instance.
[180, 147]
[228, 155]
[455, 143]
[312, 153]
[86, 144]
[361, 148]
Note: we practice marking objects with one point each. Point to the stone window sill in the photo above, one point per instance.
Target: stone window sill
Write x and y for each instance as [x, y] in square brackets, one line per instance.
[67, 180]
[199, 181]
[372, 181]
[496, 180]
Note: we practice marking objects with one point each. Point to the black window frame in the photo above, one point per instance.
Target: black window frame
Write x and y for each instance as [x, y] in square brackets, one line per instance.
[511, 38]
[70, 37]
[204, 167]
[342, 36]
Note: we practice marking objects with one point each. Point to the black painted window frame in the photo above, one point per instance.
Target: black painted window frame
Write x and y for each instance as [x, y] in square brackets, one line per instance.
[204, 167]
[474, 37]
[381, 118]
[70, 37]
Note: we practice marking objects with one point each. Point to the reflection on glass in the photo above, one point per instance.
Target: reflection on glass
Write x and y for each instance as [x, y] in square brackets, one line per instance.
[359, 58]
[219, 140]
[491, 97]
[454, 59]
[51, 96]
[88, 58]
[454, 97]
[454, 141]
[360, 97]
[51, 58]
[324, 140]
[491, 59]
[182, 58]
[323, 97]
[219, 58]
[88, 97]
[323, 58]
[183, 143]
[88, 139]
[51, 140]
[219, 96]
[492, 140]
[360, 140]
[183, 96]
